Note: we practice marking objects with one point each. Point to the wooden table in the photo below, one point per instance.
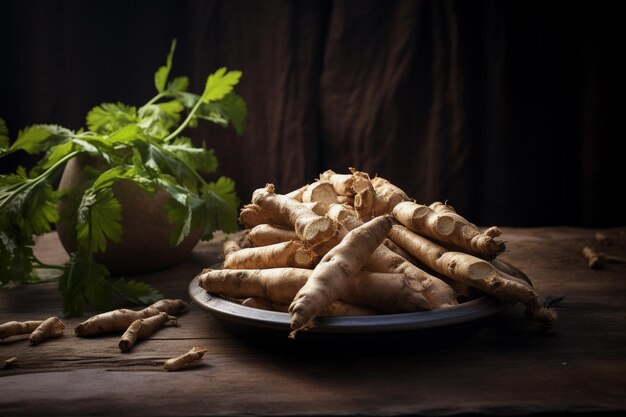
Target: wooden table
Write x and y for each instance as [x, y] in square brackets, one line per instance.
[510, 366]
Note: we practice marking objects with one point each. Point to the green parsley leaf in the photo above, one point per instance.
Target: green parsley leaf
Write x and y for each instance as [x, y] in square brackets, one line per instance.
[110, 117]
[136, 292]
[180, 214]
[221, 204]
[219, 84]
[160, 77]
[178, 85]
[39, 209]
[232, 108]
[161, 160]
[127, 135]
[38, 138]
[16, 252]
[99, 219]
[84, 280]
[56, 153]
[158, 120]
[200, 159]
[31, 204]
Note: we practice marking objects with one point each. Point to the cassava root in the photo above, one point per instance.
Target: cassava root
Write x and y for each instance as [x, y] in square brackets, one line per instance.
[596, 259]
[117, 321]
[51, 327]
[12, 328]
[180, 362]
[450, 263]
[142, 328]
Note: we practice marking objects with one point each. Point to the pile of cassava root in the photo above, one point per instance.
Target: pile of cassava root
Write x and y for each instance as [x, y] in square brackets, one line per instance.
[349, 244]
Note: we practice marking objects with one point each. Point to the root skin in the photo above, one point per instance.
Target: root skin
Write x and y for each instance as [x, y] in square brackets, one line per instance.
[437, 293]
[117, 321]
[141, 329]
[468, 270]
[252, 215]
[342, 183]
[12, 328]
[285, 254]
[51, 327]
[276, 284]
[449, 228]
[180, 362]
[596, 259]
[272, 289]
[9, 363]
[267, 234]
[310, 227]
[331, 276]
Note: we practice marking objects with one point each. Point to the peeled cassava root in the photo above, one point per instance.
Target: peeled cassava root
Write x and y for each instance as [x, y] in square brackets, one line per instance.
[351, 244]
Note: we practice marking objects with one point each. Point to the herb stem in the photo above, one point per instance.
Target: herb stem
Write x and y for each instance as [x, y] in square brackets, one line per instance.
[40, 265]
[34, 181]
[155, 99]
[184, 124]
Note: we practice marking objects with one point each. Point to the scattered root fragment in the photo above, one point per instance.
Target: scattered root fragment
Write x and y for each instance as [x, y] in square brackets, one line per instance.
[142, 328]
[51, 327]
[596, 259]
[179, 362]
[12, 328]
[604, 239]
[9, 363]
[117, 321]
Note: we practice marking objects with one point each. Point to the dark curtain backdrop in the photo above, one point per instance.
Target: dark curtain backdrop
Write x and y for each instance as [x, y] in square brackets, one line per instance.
[500, 107]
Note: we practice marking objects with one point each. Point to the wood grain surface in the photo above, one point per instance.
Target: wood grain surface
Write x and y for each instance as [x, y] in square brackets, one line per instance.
[508, 366]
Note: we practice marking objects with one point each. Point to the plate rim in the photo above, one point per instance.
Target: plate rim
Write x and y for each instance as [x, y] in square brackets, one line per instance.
[225, 310]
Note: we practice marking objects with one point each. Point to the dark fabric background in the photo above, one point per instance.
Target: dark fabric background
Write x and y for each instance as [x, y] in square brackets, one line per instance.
[501, 108]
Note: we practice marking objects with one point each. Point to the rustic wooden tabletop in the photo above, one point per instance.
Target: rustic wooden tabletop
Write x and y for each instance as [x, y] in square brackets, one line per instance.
[508, 366]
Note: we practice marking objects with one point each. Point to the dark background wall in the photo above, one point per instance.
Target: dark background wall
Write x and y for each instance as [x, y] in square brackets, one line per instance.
[502, 108]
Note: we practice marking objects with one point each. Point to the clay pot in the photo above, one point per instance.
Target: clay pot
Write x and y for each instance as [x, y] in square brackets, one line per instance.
[146, 230]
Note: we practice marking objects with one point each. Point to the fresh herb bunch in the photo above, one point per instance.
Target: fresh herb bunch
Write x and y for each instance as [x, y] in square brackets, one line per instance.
[143, 146]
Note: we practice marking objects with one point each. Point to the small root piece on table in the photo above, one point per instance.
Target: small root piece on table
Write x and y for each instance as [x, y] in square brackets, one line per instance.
[51, 327]
[119, 320]
[142, 328]
[12, 328]
[596, 259]
[604, 239]
[9, 362]
[179, 362]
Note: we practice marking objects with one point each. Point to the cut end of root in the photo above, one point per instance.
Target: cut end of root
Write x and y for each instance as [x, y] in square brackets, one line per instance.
[542, 315]
[80, 330]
